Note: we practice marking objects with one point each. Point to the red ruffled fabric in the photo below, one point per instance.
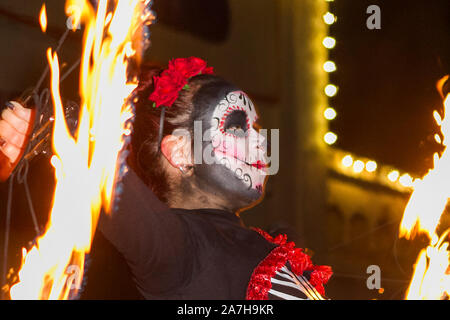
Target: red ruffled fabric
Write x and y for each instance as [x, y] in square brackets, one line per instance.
[260, 281]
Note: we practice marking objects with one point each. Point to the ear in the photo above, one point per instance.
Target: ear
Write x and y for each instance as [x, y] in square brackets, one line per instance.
[177, 150]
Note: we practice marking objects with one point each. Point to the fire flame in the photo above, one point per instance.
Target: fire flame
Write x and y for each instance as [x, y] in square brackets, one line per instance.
[43, 18]
[86, 164]
[431, 278]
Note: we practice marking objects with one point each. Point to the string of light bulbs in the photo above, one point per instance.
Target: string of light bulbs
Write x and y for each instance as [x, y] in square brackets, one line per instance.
[349, 163]
[330, 89]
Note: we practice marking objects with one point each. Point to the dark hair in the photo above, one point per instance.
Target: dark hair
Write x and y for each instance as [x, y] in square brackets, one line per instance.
[204, 91]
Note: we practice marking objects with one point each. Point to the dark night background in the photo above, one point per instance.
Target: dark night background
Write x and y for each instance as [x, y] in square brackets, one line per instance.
[387, 80]
[386, 98]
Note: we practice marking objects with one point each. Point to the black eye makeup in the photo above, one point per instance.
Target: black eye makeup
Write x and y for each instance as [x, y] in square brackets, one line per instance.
[236, 123]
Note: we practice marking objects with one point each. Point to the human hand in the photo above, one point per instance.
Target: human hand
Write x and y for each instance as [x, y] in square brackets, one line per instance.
[15, 127]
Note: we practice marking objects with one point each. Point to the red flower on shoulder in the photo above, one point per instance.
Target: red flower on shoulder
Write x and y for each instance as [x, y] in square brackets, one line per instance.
[300, 261]
[260, 282]
[319, 277]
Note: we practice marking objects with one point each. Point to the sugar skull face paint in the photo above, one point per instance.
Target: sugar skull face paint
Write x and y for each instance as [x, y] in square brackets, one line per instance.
[237, 144]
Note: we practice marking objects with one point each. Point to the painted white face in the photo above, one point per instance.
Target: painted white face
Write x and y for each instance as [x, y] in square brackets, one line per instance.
[236, 142]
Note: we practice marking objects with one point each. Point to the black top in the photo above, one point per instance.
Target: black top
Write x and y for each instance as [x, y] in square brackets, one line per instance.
[182, 254]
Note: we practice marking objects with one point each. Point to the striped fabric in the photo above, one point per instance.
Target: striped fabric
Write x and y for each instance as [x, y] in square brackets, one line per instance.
[288, 286]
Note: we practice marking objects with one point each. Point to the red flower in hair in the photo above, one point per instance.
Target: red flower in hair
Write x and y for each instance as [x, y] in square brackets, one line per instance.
[175, 78]
[189, 67]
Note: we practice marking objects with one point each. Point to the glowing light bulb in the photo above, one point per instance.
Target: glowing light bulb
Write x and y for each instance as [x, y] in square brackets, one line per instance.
[371, 166]
[329, 18]
[331, 90]
[329, 42]
[330, 138]
[406, 180]
[329, 66]
[393, 175]
[347, 161]
[358, 166]
[329, 113]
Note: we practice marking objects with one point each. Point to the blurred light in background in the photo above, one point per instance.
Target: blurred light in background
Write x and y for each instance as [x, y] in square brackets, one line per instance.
[329, 66]
[347, 161]
[329, 42]
[329, 114]
[371, 166]
[358, 166]
[330, 138]
[331, 90]
[329, 18]
[393, 175]
[406, 180]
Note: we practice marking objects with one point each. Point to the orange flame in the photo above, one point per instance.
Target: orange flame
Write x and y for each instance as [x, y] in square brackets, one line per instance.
[43, 18]
[85, 166]
[422, 215]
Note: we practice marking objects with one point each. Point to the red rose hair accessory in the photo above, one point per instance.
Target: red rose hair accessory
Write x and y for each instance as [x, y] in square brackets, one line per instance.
[175, 78]
[172, 80]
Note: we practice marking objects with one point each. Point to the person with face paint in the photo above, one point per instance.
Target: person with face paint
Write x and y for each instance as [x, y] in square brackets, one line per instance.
[177, 220]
